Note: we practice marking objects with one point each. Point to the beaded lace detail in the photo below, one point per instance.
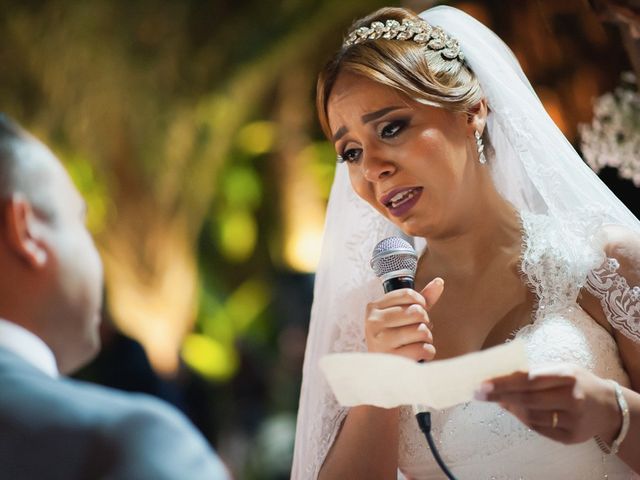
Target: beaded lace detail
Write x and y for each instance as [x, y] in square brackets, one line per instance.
[620, 302]
[477, 439]
[480, 440]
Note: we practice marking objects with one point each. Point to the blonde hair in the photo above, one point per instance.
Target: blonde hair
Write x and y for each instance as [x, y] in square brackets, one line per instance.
[421, 74]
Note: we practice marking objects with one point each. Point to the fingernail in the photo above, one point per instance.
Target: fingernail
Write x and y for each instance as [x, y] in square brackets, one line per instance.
[478, 395]
[545, 371]
[426, 346]
[422, 327]
[483, 391]
[486, 387]
[438, 281]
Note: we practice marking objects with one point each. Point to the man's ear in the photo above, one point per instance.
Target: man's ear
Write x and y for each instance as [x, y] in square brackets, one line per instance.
[477, 116]
[22, 232]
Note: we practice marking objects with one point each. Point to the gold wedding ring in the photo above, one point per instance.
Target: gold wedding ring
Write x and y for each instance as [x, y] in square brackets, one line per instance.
[554, 419]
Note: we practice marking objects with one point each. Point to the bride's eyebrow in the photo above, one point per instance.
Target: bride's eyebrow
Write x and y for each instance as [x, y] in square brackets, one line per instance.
[366, 118]
[369, 117]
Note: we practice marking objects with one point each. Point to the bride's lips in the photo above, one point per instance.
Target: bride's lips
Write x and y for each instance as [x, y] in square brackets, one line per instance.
[400, 200]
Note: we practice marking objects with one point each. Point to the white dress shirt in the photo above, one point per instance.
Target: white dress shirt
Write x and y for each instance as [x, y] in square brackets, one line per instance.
[29, 346]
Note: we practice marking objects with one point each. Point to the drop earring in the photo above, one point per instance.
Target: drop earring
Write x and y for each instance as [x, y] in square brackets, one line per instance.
[480, 146]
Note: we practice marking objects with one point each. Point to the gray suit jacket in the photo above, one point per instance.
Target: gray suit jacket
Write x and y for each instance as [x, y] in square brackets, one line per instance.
[66, 429]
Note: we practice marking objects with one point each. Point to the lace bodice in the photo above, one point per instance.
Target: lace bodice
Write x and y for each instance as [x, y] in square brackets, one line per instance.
[480, 440]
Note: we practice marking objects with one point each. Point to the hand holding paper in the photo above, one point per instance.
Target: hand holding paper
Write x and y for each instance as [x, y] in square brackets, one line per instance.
[388, 381]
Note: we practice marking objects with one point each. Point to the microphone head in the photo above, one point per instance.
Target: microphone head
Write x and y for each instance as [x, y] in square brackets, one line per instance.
[394, 257]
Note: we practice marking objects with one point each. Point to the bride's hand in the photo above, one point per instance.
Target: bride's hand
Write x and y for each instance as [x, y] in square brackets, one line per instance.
[399, 323]
[566, 403]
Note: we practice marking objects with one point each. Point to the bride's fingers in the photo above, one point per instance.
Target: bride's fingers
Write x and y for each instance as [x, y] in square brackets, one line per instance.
[549, 399]
[551, 419]
[401, 336]
[398, 323]
[417, 351]
[432, 292]
[400, 339]
[404, 296]
[542, 421]
[526, 382]
[397, 316]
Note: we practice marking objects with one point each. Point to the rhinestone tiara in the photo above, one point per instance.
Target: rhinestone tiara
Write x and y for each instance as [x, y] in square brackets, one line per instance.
[434, 38]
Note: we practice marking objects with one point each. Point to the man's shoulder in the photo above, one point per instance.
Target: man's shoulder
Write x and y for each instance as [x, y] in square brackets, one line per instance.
[25, 384]
[154, 437]
[146, 435]
[81, 401]
[26, 389]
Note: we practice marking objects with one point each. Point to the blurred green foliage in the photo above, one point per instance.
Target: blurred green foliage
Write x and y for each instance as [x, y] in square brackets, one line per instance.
[168, 116]
[320, 156]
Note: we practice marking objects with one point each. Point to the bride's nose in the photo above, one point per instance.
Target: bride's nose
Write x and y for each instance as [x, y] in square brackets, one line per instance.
[375, 167]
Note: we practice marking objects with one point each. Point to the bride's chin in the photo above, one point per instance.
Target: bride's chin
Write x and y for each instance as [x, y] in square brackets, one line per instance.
[413, 227]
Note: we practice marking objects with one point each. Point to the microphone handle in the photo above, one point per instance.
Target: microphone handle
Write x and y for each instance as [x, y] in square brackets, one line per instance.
[397, 283]
[422, 414]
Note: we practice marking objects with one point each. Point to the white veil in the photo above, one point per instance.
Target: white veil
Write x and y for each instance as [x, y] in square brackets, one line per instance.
[533, 166]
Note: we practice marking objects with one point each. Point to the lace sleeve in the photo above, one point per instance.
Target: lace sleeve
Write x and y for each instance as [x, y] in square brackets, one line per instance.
[615, 284]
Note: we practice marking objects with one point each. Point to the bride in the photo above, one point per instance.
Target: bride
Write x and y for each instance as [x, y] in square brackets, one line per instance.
[440, 136]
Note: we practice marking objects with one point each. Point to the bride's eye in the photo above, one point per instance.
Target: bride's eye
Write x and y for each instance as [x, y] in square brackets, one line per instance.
[350, 155]
[392, 129]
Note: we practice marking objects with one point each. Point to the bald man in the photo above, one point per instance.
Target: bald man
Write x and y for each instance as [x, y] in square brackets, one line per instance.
[52, 427]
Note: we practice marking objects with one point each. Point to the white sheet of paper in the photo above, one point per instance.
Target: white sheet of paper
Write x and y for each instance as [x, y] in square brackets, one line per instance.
[388, 381]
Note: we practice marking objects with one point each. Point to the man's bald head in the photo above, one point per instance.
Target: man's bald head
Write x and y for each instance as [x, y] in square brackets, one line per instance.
[51, 282]
[25, 164]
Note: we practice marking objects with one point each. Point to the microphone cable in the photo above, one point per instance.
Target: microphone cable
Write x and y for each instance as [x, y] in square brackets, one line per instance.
[424, 422]
[394, 260]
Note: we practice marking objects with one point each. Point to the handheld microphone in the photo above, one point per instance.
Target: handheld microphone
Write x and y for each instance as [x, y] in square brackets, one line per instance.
[394, 261]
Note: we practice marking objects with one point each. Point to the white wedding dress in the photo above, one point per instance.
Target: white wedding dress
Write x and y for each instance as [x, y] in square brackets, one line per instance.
[480, 440]
[563, 206]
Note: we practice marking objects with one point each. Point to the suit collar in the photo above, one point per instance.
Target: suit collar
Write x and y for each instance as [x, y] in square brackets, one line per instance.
[28, 346]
